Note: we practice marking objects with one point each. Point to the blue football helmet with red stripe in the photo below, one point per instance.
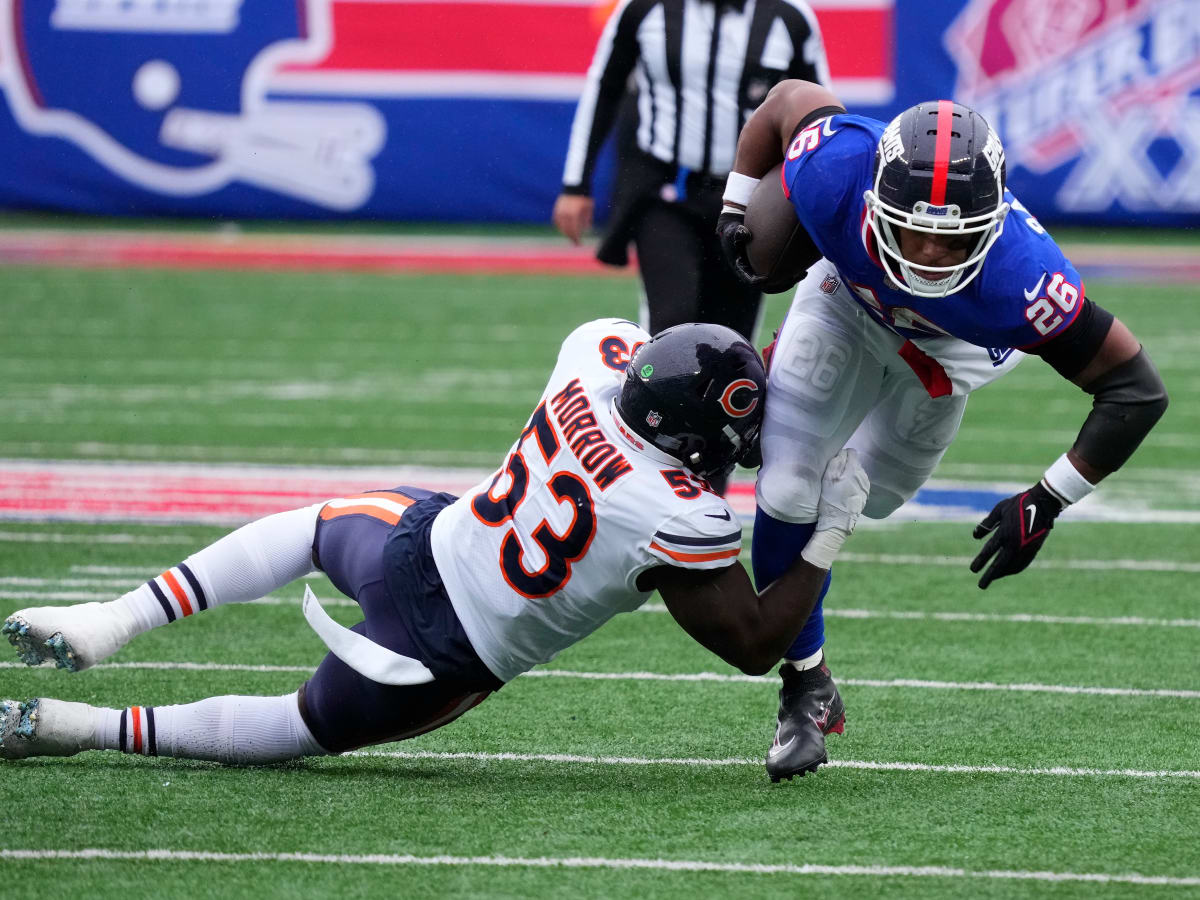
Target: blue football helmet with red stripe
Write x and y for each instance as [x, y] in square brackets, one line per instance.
[939, 169]
[695, 391]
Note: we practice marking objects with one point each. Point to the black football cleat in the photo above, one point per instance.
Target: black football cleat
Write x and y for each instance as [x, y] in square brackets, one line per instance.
[809, 708]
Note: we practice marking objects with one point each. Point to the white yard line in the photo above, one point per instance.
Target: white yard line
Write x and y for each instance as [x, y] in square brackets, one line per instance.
[597, 862]
[886, 559]
[62, 537]
[1096, 565]
[50, 591]
[691, 762]
[911, 683]
[711, 677]
[1011, 618]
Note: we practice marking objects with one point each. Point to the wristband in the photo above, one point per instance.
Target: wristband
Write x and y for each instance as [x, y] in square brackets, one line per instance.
[738, 188]
[731, 209]
[822, 548]
[1064, 481]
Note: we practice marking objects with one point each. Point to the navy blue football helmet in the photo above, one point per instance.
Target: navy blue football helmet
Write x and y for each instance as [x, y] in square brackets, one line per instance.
[939, 169]
[695, 391]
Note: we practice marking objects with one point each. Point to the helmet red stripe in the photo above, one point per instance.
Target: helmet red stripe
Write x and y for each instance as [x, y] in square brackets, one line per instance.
[941, 152]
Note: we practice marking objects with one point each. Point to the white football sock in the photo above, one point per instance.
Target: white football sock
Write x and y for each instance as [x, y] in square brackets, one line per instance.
[245, 731]
[809, 662]
[247, 564]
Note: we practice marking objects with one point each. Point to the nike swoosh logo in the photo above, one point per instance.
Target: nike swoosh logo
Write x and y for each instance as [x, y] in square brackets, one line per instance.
[1032, 510]
[824, 719]
[776, 749]
[723, 516]
[1030, 296]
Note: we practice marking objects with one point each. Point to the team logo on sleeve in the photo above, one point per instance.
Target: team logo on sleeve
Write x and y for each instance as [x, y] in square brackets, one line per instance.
[740, 398]
[172, 95]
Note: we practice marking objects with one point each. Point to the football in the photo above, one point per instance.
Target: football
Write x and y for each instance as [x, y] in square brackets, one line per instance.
[779, 247]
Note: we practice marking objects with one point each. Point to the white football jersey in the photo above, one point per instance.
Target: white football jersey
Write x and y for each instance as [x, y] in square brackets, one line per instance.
[550, 548]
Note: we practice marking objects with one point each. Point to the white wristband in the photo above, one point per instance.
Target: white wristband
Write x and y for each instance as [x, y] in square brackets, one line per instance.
[822, 548]
[738, 188]
[1064, 480]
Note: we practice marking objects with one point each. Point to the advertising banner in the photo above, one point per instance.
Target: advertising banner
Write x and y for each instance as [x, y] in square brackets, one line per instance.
[460, 111]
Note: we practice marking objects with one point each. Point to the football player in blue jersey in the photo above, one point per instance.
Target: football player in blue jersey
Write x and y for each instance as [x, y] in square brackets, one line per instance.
[930, 280]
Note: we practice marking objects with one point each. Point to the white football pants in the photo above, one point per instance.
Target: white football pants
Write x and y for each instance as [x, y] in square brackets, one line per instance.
[837, 381]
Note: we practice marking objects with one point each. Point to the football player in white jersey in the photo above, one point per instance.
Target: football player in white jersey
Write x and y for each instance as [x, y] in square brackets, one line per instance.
[604, 498]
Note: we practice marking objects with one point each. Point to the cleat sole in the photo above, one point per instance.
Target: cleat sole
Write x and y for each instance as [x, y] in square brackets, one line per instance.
[811, 767]
[29, 719]
[32, 652]
[63, 652]
[26, 646]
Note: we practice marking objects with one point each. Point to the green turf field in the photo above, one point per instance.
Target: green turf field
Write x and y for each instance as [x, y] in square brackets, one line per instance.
[1039, 739]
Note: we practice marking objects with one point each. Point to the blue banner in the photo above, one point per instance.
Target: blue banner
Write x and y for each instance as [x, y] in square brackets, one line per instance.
[377, 109]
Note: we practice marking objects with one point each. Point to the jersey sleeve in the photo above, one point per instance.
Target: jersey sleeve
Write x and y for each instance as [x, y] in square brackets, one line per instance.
[706, 537]
[1033, 289]
[602, 344]
[822, 169]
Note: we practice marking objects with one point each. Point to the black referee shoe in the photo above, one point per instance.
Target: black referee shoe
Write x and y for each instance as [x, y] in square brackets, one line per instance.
[809, 708]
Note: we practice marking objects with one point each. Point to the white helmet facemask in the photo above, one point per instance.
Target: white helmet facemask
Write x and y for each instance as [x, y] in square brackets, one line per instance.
[883, 220]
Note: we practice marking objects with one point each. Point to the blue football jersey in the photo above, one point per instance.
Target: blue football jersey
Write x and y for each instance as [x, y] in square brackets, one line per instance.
[1027, 291]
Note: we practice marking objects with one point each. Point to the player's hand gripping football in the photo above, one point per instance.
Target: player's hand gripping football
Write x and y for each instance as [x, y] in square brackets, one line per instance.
[734, 235]
[1018, 527]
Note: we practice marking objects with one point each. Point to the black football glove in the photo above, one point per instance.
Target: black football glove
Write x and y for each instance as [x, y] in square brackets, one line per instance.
[1018, 527]
[734, 235]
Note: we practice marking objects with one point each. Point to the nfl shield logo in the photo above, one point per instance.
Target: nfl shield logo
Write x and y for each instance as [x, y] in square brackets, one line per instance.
[829, 284]
[653, 419]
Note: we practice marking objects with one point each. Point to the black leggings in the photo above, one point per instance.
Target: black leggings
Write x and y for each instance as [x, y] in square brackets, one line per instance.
[685, 276]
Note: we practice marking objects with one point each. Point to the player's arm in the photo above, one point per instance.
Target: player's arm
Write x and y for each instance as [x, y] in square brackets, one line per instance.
[1100, 355]
[615, 56]
[761, 145]
[765, 136]
[752, 630]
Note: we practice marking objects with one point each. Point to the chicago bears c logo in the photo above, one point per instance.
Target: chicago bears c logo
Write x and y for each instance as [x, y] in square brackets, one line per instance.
[172, 95]
[743, 405]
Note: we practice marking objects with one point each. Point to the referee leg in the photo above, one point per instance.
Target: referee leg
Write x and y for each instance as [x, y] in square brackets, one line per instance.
[671, 260]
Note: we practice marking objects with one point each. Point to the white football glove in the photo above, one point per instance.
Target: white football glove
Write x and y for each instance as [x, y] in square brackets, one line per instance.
[844, 489]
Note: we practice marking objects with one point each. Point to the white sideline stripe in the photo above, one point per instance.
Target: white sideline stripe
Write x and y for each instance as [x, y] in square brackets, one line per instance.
[701, 677]
[598, 862]
[1058, 771]
[1132, 565]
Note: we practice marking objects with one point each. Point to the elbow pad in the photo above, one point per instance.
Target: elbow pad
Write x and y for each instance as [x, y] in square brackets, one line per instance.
[1127, 401]
[1072, 350]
